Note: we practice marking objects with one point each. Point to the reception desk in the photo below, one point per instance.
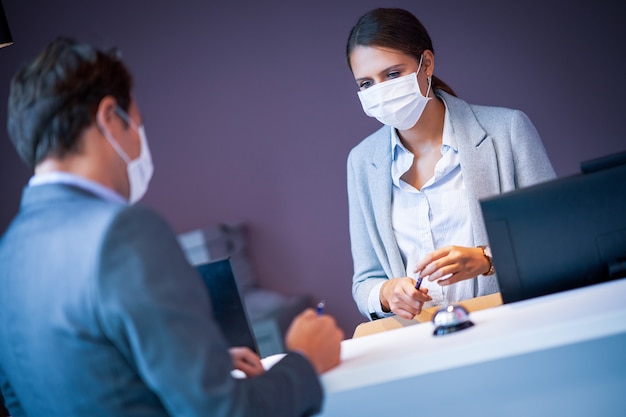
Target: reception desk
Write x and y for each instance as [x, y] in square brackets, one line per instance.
[395, 322]
[558, 355]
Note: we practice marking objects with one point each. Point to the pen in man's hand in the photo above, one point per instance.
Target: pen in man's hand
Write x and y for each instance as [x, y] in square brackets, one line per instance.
[320, 307]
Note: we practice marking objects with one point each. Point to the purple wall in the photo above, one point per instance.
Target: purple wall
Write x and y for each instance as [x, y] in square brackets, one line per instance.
[250, 108]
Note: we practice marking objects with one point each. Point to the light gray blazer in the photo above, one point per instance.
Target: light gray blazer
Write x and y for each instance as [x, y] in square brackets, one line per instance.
[102, 315]
[500, 150]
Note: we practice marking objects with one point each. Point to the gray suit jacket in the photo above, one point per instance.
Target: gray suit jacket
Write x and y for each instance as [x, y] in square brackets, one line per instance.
[499, 149]
[101, 315]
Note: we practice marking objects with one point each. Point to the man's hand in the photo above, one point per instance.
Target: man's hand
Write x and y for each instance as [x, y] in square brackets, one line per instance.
[316, 337]
[246, 361]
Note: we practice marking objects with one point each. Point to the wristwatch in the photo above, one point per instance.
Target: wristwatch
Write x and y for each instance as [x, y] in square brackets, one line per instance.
[487, 254]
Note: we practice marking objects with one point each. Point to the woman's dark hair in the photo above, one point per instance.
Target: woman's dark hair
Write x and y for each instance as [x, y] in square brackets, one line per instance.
[396, 29]
[56, 96]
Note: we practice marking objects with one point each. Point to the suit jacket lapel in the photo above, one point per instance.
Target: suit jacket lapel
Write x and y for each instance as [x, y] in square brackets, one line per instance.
[478, 159]
[379, 177]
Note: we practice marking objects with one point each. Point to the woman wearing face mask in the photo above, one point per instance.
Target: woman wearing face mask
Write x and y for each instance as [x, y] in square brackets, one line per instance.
[414, 185]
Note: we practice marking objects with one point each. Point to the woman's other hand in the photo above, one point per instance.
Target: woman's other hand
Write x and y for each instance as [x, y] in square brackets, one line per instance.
[452, 264]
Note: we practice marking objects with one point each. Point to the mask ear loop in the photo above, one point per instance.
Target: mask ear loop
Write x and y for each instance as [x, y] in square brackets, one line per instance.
[126, 117]
[114, 143]
[430, 78]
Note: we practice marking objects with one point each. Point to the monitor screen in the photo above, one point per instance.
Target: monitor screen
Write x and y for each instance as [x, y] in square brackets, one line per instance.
[228, 306]
[559, 235]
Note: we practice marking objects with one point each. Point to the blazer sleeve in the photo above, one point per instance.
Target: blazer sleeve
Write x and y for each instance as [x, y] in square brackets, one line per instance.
[368, 270]
[530, 158]
[155, 309]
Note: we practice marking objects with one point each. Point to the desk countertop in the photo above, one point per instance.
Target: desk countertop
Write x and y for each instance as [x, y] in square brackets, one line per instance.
[504, 331]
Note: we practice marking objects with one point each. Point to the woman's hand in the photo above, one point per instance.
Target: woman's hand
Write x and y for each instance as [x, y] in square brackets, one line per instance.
[452, 264]
[399, 296]
[246, 361]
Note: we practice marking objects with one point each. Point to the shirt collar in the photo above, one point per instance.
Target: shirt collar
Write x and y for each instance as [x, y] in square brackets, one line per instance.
[58, 177]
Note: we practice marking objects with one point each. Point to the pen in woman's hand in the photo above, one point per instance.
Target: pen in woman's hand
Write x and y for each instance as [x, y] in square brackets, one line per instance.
[419, 282]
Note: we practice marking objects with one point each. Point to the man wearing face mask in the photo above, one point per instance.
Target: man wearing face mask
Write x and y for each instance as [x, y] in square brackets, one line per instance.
[101, 314]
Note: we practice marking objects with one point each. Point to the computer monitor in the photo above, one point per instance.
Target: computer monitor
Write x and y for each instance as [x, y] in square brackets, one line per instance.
[228, 306]
[560, 235]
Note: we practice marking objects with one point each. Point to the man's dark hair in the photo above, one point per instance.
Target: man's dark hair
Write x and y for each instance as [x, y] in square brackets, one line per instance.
[56, 96]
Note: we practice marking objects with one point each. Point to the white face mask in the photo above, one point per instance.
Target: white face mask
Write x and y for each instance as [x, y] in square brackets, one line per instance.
[398, 102]
[139, 170]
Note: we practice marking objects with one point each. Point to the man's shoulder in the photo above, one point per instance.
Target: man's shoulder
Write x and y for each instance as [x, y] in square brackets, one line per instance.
[138, 225]
[78, 211]
[140, 215]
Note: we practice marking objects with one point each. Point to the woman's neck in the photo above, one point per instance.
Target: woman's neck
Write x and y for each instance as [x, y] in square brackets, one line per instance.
[424, 141]
[425, 136]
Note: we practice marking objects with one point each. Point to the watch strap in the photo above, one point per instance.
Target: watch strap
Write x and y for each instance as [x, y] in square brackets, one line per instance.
[487, 254]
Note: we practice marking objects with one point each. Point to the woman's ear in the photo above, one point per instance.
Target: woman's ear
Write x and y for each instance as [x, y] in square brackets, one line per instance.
[428, 62]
